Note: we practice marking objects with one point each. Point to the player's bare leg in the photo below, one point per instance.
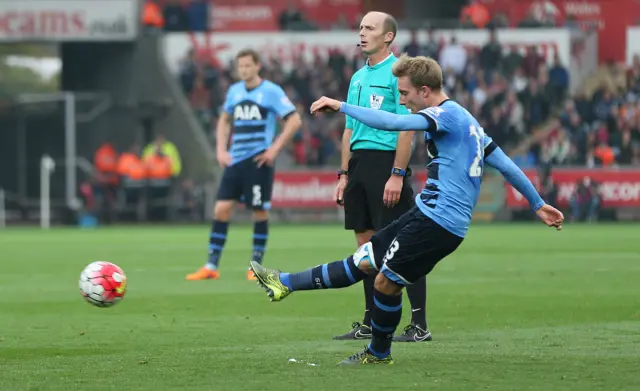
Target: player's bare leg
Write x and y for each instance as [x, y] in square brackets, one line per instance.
[222, 213]
[362, 330]
[260, 236]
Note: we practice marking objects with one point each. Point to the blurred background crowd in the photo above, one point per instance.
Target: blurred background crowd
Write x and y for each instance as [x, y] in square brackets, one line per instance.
[512, 93]
[553, 82]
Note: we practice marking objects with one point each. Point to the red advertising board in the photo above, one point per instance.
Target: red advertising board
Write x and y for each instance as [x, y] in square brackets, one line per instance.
[264, 15]
[303, 189]
[618, 188]
[609, 17]
[315, 189]
[312, 189]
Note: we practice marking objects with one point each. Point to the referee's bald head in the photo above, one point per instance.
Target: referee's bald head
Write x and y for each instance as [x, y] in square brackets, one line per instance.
[378, 23]
[390, 25]
[388, 22]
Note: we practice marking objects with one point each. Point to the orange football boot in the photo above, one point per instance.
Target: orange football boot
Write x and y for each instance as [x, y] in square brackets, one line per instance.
[251, 275]
[204, 274]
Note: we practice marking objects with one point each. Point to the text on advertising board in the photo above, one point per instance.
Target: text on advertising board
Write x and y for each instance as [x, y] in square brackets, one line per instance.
[68, 20]
[315, 189]
[618, 188]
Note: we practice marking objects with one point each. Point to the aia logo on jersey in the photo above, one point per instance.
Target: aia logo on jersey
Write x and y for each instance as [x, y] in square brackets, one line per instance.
[247, 112]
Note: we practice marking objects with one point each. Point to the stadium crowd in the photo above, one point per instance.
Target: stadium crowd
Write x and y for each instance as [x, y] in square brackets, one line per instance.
[600, 126]
[510, 92]
[515, 94]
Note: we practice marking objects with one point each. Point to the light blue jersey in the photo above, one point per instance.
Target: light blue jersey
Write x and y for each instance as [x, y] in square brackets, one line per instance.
[456, 148]
[255, 114]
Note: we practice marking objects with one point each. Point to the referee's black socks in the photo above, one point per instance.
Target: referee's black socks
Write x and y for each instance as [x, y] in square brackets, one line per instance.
[367, 283]
[417, 293]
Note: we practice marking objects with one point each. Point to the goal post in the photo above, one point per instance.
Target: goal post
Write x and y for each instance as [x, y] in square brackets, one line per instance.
[69, 100]
[92, 105]
[47, 166]
[3, 209]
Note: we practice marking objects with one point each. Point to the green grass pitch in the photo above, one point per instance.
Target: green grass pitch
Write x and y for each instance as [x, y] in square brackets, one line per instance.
[516, 307]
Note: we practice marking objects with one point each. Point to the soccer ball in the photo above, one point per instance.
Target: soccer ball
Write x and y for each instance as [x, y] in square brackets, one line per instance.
[103, 284]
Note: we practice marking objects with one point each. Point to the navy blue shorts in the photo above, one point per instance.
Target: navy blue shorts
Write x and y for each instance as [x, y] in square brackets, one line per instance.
[247, 183]
[411, 246]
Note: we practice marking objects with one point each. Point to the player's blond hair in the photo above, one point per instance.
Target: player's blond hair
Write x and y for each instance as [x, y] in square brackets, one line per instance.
[422, 71]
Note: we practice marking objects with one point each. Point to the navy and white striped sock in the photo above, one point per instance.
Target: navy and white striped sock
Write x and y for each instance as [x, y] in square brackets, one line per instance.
[217, 239]
[334, 275]
[385, 318]
[260, 236]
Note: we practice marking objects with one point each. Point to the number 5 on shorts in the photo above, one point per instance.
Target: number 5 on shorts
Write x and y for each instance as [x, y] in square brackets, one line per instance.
[257, 195]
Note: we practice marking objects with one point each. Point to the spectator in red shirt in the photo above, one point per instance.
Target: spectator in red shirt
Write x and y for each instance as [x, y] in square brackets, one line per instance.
[532, 62]
[585, 202]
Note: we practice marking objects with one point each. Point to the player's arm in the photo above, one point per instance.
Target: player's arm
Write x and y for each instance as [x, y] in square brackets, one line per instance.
[403, 145]
[383, 120]
[496, 158]
[223, 129]
[292, 123]
[222, 132]
[286, 110]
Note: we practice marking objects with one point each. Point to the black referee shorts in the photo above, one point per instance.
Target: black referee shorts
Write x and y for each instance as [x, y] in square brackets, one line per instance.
[364, 208]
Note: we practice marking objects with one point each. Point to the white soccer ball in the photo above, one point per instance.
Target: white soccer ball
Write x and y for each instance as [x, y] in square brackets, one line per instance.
[103, 284]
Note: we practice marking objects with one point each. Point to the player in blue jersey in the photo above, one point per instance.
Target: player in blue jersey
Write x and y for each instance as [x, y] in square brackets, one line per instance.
[253, 106]
[374, 181]
[411, 246]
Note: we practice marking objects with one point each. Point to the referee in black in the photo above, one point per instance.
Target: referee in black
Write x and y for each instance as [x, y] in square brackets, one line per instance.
[373, 181]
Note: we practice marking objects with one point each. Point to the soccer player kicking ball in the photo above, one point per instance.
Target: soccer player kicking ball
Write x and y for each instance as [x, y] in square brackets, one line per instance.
[254, 106]
[410, 247]
[374, 183]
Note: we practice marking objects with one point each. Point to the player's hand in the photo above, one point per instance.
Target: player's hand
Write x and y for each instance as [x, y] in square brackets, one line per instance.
[224, 158]
[325, 105]
[551, 216]
[392, 191]
[339, 194]
[267, 158]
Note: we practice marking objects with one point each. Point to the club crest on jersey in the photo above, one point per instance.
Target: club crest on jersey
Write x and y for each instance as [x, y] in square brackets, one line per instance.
[375, 101]
[435, 111]
[246, 112]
